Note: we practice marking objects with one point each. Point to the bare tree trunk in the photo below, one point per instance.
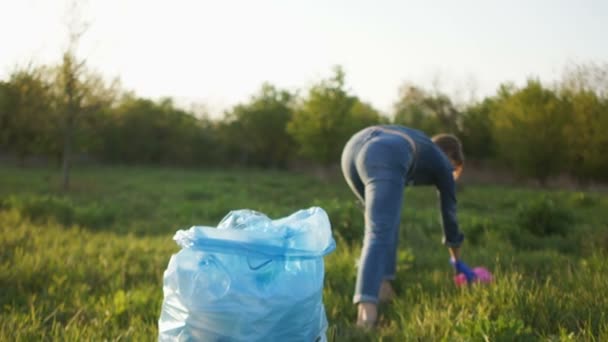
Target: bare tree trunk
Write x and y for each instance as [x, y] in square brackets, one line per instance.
[71, 70]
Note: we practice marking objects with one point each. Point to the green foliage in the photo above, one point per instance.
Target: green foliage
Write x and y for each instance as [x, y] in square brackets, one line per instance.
[256, 132]
[476, 135]
[584, 92]
[68, 110]
[503, 328]
[6, 100]
[328, 116]
[27, 113]
[544, 216]
[77, 94]
[584, 199]
[142, 131]
[529, 131]
[41, 209]
[347, 217]
[430, 113]
[50, 110]
[476, 228]
[88, 265]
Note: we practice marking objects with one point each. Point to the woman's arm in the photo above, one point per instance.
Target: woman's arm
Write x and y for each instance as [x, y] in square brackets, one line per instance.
[446, 187]
[454, 253]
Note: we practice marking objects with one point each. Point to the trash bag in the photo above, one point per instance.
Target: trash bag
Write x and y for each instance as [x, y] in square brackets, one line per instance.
[249, 279]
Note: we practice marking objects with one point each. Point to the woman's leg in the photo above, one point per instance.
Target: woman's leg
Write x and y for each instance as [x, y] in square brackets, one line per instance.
[374, 169]
[391, 265]
[383, 199]
[381, 165]
[387, 292]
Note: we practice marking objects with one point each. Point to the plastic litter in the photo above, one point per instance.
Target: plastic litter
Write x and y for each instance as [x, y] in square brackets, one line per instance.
[248, 279]
[483, 275]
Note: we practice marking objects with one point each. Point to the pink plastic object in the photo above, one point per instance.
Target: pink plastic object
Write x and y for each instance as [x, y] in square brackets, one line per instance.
[482, 273]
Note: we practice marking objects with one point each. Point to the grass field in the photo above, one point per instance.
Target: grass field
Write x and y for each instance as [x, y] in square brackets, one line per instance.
[88, 266]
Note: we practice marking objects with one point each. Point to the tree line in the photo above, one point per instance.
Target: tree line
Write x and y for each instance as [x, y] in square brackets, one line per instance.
[535, 130]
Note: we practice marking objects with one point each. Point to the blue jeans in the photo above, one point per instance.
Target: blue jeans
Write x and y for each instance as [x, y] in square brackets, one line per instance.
[375, 164]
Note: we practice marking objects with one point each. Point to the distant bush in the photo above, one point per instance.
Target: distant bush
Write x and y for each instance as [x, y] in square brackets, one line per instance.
[525, 240]
[582, 199]
[61, 210]
[544, 217]
[40, 209]
[475, 228]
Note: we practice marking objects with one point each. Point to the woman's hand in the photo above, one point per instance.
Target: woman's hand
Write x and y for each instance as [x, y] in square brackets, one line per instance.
[463, 268]
[459, 265]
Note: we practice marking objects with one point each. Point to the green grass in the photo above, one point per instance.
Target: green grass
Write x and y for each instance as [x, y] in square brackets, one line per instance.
[88, 265]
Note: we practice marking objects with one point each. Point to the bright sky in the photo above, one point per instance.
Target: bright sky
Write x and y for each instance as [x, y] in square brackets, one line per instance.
[220, 52]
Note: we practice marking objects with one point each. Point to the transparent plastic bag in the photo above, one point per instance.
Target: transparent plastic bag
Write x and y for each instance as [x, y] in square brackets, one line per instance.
[249, 279]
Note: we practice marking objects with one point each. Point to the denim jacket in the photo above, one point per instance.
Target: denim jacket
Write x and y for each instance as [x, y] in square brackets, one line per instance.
[432, 167]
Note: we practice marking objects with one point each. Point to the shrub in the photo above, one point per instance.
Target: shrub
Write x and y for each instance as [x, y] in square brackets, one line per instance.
[584, 200]
[544, 217]
[61, 210]
[475, 228]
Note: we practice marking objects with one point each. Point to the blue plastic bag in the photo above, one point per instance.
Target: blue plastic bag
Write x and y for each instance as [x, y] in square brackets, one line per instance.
[249, 279]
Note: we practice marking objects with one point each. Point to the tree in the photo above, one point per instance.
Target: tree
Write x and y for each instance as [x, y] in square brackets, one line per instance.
[476, 132]
[26, 112]
[6, 105]
[142, 131]
[584, 89]
[364, 114]
[529, 130]
[257, 130]
[431, 113]
[79, 92]
[592, 77]
[411, 111]
[80, 95]
[325, 120]
[586, 135]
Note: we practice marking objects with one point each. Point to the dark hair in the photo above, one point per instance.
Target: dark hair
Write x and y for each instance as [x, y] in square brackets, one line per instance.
[451, 146]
